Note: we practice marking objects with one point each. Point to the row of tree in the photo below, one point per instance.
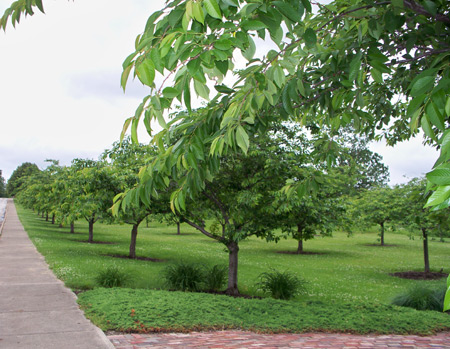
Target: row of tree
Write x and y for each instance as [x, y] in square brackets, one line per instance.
[249, 196]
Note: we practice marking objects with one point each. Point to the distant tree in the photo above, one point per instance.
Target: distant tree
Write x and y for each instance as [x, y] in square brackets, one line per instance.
[19, 176]
[2, 186]
[126, 159]
[415, 216]
[378, 206]
[94, 186]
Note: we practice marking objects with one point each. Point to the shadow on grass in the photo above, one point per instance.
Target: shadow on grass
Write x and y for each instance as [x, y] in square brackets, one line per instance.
[148, 259]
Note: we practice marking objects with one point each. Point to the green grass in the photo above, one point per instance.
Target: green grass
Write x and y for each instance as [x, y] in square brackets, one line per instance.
[149, 311]
[345, 270]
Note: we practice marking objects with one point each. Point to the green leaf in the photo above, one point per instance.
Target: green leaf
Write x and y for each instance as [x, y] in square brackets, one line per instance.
[126, 124]
[435, 116]
[287, 102]
[447, 107]
[310, 37]
[124, 77]
[377, 76]
[193, 66]
[187, 96]
[156, 59]
[40, 6]
[441, 194]
[212, 8]
[223, 89]
[355, 65]
[426, 127]
[422, 85]
[287, 11]
[250, 51]
[242, 139]
[447, 298]
[223, 44]
[252, 24]
[430, 6]
[160, 118]
[198, 13]
[307, 5]
[170, 92]
[439, 176]
[279, 76]
[201, 89]
[146, 72]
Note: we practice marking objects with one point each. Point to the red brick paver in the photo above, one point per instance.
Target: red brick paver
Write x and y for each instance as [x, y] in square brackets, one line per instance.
[240, 339]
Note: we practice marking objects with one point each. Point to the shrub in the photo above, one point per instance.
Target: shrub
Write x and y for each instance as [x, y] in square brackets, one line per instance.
[112, 277]
[184, 277]
[280, 285]
[421, 298]
[216, 277]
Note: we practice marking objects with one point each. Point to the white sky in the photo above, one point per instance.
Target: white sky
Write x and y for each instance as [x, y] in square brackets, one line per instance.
[60, 96]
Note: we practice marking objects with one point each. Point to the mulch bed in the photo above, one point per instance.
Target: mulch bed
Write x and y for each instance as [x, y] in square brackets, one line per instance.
[303, 252]
[419, 275]
[148, 259]
[380, 245]
[96, 242]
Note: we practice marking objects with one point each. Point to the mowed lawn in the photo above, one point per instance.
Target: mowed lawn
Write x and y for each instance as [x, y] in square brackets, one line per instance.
[343, 269]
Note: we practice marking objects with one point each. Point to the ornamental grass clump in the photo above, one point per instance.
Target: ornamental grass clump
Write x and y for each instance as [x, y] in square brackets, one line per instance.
[421, 297]
[215, 277]
[281, 285]
[184, 277]
[112, 277]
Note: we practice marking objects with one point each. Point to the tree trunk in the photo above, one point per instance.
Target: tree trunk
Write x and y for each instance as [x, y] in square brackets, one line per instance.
[91, 230]
[60, 225]
[72, 227]
[53, 218]
[42, 216]
[46, 216]
[425, 250]
[382, 233]
[441, 233]
[178, 228]
[300, 239]
[134, 232]
[233, 249]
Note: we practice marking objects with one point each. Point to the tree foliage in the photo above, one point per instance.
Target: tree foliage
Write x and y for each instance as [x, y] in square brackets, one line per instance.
[19, 177]
[2, 186]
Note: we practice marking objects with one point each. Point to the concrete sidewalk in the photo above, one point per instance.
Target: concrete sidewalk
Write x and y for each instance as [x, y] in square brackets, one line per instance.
[36, 309]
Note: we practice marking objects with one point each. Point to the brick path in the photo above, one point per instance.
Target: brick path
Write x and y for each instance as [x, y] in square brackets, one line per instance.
[239, 339]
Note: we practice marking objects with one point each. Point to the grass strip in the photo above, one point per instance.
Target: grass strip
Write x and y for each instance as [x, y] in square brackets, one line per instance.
[138, 310]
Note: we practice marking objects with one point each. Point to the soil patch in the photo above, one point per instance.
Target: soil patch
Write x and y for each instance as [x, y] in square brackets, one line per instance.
[380, 245]
[419, 275]
[148, 259]
[303, 252]
[96, 242]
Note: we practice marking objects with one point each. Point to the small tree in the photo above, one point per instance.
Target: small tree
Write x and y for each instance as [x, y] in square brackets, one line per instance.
[126, 160]
[417, 217]
[378, 206]
[95, 187]
[19, 177]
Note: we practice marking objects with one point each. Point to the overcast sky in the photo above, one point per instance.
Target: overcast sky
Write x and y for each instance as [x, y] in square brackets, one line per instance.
[60, 96]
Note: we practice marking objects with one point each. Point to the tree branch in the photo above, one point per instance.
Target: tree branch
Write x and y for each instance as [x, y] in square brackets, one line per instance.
[203, 230]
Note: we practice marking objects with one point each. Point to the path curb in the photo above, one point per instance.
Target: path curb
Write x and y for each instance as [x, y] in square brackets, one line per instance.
[4, 217]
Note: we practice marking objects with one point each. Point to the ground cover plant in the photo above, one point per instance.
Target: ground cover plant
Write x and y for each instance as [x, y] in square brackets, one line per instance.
[149, 310]
[344, 270]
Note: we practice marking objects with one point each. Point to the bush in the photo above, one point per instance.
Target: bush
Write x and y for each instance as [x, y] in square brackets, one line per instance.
[112, 277]
[421, 298]
[216, 277]
[280, 285]
[184, 277]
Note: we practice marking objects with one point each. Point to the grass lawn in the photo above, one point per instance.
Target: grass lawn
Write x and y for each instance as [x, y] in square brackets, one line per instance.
[345, 271]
